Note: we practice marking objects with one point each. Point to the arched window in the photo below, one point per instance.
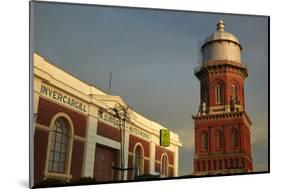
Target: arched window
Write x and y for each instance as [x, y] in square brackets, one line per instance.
[59, 146]
[209, 165]
[219, 139]
[204, 93]
[198, 166]
[204, 166]
[237, 163]
[225, 164]
[242, 163]
[138, 163]
[231, 163]
[234, 137]
[234, 91]
[204, 138]
[164, 166]
[218, 93]
[215, 164]
[220, 164]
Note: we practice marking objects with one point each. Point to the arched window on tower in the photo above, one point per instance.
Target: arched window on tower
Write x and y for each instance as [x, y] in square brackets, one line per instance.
[234, 91]
[198, 166]
[204, 140]
[59, 146]
[218, 93]
[234, 137]
[138, 163]
[220, 164]
[237, 163]
[231, 163]
[219, 139]
[204, 166]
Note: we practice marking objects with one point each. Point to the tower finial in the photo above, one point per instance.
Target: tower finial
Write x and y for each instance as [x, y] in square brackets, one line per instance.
[220, 25]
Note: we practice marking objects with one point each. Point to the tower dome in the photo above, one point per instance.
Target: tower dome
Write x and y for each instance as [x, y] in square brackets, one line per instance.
[221, 45]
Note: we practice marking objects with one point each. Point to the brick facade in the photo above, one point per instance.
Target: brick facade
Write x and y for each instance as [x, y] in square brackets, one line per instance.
[46, 111]
[133, 140]
[222, 130]
[40, 152]
[108, 131]
[77, 159]
[159, 151]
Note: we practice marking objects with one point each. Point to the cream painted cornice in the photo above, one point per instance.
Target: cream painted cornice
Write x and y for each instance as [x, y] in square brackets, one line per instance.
[58, 78]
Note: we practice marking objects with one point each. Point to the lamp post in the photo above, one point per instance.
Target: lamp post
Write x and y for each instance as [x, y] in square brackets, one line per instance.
[122, 113]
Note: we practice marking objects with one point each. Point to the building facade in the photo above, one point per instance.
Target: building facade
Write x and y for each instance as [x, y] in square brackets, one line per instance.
[77, 135]
[222, 126]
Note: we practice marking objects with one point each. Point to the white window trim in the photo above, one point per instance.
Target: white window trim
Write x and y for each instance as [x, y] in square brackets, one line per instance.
[64, 176]
[218, 93]
[142, 160]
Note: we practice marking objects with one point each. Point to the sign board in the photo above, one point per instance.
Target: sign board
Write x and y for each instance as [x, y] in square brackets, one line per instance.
[63, 98]
[164, 137]
[114, 121]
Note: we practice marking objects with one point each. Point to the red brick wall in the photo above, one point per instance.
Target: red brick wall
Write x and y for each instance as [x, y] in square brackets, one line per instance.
[146, 166]
[108, 131]
[47, 110]
[133, 140]
[157, 167]
[40, 151]
[229, 152]
[130, 165]
[171, 172]
[160, 150]
[211, 126]
[227, 80]
[77, 159]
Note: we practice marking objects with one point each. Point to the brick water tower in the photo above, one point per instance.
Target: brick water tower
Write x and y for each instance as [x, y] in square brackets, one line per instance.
[222, 126]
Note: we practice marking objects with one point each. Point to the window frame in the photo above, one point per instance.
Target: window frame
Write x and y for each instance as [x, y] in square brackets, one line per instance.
[234, 137]
[204, 140]
[218, 93]
[141, 166]
[66, 175]
[164, 155]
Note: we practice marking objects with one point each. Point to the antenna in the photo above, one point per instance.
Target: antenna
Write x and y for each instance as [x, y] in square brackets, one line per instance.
[109, 86]
[199, 51]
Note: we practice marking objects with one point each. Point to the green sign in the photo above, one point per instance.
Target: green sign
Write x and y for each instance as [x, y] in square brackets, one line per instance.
[164, 137]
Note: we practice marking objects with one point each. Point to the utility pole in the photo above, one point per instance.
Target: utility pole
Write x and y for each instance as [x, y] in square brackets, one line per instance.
[123, 114]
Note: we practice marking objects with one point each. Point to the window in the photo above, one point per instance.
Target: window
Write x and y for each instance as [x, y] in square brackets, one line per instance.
[209, 165]
[220, 164]
[237, 163]
[164, 162]
[231, 163]
[242, 163]
[225, 164]
[234, 137]
[218, 92]
[215, 164]
[204, 94]
[198, 166]
[58, 149]
[219, 139]
[138, 161]
[204, 140]
[234, 91]
[204, 165]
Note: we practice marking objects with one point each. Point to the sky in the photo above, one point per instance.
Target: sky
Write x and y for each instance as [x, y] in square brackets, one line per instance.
[152, 55]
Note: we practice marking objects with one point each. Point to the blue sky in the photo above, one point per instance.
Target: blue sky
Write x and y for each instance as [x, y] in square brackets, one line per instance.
[152, 54]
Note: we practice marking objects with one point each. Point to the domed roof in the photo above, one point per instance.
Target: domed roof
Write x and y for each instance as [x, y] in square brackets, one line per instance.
[220, 34]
